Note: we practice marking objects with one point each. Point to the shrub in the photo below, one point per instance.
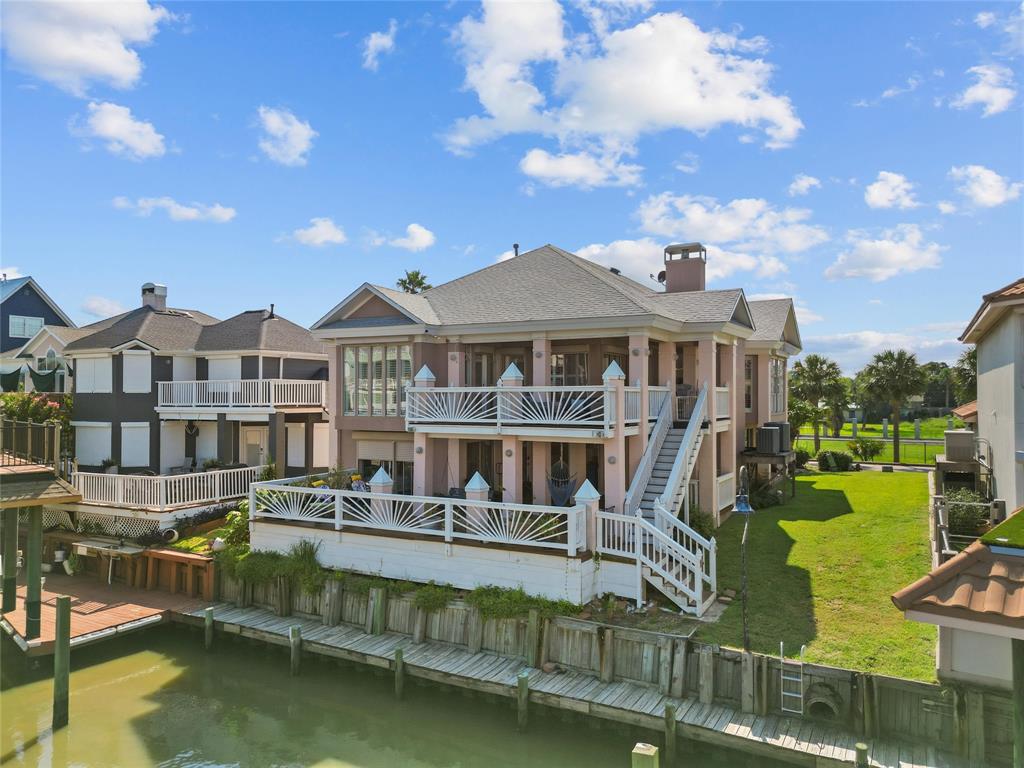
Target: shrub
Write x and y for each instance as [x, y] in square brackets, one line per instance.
[433, 597]
[236, 525]
[763, 497]
[702, 522]
[865, 449]
[802, 457]
[498, 603]
[259, 567]
[834, 461]
[304, 566]
[962, 517]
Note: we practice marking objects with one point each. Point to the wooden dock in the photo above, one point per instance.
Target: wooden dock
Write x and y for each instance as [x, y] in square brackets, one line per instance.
[98, 611]
[797, 741]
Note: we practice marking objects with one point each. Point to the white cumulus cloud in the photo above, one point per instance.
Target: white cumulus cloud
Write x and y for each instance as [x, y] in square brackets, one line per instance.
[122, 133]
[984, 187]
[73, 44]
[985, 19]
[890, 190]
[994, 89]
[377, 44]
[102, 307]
[899, 250]
[145, 206]
[417, 238]
[946, 207]
[688, 163]
[607, 88]
[321, 231]
[286, 139]
[579, 169]
[802, 184]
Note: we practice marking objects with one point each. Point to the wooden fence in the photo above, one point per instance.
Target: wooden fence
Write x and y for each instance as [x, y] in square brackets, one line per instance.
[973, 722]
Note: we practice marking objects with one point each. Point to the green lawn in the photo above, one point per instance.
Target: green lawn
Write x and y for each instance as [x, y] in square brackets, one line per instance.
[910, 452]
[822, 568]
[931, 429]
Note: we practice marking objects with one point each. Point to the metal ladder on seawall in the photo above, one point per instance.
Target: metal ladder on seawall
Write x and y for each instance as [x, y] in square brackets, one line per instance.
[791, 681]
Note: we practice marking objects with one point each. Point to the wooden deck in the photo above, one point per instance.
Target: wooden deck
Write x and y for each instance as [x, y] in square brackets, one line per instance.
[98, 611]
[798, 741]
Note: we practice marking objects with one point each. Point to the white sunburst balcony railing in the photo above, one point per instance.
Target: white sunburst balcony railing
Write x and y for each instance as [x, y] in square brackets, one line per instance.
[562, 529]
[242, 393]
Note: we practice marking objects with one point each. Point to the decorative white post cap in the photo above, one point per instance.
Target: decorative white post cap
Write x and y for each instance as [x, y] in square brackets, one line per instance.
[477, 483]
[425, 374]
[613, 371]
[512, 373]
[586, 492]
[381, 478]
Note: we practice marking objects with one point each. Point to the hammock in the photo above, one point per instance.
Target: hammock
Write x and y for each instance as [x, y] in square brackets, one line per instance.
[561, 484]
[43, 382]
[10, 381]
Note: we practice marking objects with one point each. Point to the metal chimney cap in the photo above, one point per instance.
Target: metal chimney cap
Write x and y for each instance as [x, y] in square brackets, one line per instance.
[155, 288]
[685, 250]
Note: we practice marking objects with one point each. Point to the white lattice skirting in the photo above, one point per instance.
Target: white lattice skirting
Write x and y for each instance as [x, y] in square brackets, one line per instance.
[110, 525]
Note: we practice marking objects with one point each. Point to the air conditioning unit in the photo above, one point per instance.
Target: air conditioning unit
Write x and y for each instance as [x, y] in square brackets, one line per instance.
[785, 435]
[768, 440]
[959, 445]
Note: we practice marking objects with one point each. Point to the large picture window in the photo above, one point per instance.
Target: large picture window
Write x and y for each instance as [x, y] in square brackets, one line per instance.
[375, 378]
[22, 327]
[569, 369]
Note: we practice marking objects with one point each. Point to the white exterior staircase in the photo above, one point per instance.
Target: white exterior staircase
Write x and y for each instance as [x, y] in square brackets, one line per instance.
[670, 555]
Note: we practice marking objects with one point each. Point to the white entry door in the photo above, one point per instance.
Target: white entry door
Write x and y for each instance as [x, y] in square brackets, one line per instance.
[254, 445]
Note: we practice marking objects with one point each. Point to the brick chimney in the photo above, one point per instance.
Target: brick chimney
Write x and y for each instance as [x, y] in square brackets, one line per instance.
[154, 295]
[685, 265]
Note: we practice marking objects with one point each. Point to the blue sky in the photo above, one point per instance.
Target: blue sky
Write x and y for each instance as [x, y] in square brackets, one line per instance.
[865, 159]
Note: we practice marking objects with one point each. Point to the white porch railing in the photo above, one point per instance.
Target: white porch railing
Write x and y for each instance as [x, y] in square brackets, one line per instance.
[642, 476]
[451, 520]
[723, 403]
[589, 406]
[164, 492]
[242, 393]
[684, 407]
[726, 490]
[656, 397]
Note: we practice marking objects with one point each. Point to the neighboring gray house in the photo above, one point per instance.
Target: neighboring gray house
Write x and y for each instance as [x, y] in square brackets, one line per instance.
[164, 391]
[26, 311]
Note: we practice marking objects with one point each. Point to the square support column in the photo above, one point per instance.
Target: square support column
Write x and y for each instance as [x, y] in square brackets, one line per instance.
[33, 573]
[541, 464]
[739, 396]
[224, 435]
[10, 555]
[456, 363]
[456, 475]
[278, 444]
[334, 404]
[541, 362]
[615, 446]
[422, 465]
[731, 445]
[707, 460]
[667, 365]
[639, 368]
[307, 442]
[511, 461]
[763, 395]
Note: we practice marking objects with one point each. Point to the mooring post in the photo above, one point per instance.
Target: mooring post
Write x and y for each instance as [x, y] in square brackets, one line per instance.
[670, 733]
[399, 673]
[33, 580]
[523, 699]
[61, 662]
[533, 638]
[10, 555]
[645, 756]
[295, 641]
[208, 627]
[860, 755]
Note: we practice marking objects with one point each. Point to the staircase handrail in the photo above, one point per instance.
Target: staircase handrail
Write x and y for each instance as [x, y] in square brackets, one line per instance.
[682, 456]
[645, 468]
[705, 550]
[670, 546]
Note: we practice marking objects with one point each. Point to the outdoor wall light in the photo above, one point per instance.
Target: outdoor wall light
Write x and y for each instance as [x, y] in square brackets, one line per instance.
[419, 449]
[508, 452]
[611, 459]
[538, 354]
[636, 352]
[453, 357]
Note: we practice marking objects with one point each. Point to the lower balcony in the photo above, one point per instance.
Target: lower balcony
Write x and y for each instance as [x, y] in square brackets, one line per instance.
[242, 394]
[165, 493]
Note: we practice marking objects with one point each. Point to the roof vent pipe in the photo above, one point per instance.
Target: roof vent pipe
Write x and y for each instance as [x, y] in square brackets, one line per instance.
[615, 270]
[515, 249]
[271, 310]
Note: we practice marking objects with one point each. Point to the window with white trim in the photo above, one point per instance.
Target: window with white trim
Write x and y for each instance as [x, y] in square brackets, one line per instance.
[93, 374]
[777, 371]
[135, 444]
[23, 327]
[136, 372]
[375, 378]
[569, 369]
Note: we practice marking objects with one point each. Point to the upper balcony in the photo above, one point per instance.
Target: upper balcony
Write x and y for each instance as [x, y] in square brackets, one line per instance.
[503, 409]
[260, 395]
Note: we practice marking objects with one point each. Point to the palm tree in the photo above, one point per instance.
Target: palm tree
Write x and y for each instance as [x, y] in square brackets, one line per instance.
[965, 376]
[893, 376]
[814, 379]
[413, 282]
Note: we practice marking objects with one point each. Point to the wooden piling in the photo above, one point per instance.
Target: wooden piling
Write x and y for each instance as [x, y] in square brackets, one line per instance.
[295, 643]
[33, 570]
[670, 733]
[645, 756]
[419, 630]
[707, 675]
[376, 611]
[476, 631]
[678, 687]
[10, 556]
[399, 673]
[330, 609]
[523, 699]
[62, 662]
[208, 628]
[860, 755]
[533, 638]
[607, 640]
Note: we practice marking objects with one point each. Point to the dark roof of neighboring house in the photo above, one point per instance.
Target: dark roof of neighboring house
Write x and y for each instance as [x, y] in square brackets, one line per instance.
[981, 584]
[549, 283]
[257, 329]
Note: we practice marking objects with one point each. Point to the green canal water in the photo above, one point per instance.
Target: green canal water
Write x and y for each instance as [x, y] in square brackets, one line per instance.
[157, 699]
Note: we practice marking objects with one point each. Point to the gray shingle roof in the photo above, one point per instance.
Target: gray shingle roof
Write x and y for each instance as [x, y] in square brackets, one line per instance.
[257, 329]
[170, 329]
[770, 316]
[549, 283]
